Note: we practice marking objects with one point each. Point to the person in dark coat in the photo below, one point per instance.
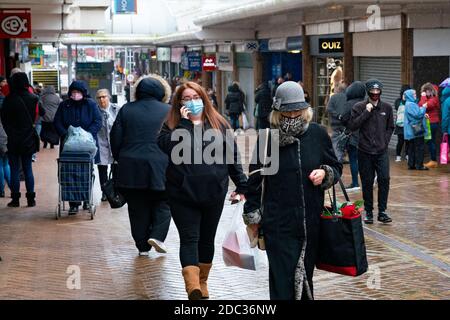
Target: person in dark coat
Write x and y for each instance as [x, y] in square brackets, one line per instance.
[197, 187]
[141, 164]
[294, 196]
[399, 125]
[336, 110]
[234, 104]
[263, 100]
[78, 111]
[50, 102]
[355, 93]
[18, 115]
[375, 121]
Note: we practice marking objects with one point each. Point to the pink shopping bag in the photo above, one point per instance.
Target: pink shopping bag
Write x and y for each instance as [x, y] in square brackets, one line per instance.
[444, 149]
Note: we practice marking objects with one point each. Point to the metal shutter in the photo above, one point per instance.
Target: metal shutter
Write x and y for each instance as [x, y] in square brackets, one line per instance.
[388, 71]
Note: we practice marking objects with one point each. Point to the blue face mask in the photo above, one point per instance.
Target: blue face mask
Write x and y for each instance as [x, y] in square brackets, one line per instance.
[195, 106]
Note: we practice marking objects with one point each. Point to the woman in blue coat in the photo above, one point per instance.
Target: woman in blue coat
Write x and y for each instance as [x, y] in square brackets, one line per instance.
[414, 117]
[78, 111]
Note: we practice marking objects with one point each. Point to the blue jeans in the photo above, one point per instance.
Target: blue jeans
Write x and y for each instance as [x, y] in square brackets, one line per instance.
[5, 172]
[432, 143]
[14, 162]
[353, 159]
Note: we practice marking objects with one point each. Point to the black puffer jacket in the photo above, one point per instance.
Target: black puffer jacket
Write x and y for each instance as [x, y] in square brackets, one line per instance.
[234, 100]
[263, 99]
[355, 93]
[18, 116]
[142, 164]
[336, 110]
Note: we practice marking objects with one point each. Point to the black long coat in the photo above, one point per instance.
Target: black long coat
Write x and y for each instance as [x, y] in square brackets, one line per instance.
[141, 163]
[282, 219]
[18, 121]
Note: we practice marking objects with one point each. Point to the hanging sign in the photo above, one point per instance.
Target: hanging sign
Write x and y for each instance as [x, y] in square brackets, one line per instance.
[209, 63]
[125, 6]
[224, 61]
[14, 24]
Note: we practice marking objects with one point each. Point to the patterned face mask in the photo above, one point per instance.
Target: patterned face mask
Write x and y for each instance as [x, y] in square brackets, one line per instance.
[291, 128]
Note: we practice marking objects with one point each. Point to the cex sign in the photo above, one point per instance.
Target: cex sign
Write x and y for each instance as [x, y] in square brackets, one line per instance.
[209, 63]
[15, 24]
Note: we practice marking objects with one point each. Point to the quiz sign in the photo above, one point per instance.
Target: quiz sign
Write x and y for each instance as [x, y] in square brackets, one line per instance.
[15, 24]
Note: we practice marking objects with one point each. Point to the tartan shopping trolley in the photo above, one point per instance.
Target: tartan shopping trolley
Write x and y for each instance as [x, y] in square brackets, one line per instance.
[76, 180]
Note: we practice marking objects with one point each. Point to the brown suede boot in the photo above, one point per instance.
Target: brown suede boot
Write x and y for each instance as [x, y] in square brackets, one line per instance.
[191, 275]
[204, 272]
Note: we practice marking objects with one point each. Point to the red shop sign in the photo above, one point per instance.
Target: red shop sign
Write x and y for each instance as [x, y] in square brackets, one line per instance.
[15, 23]
[209, 63]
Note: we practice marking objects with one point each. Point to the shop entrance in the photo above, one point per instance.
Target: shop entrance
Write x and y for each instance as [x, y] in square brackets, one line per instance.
[328, 75]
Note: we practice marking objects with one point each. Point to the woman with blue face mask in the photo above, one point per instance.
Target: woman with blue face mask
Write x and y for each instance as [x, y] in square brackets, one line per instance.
[197, 187]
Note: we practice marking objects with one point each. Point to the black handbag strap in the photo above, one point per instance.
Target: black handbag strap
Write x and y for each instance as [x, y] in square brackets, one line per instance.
[26, 111]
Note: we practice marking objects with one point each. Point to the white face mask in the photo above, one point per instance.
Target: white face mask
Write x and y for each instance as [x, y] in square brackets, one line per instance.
[76, 96]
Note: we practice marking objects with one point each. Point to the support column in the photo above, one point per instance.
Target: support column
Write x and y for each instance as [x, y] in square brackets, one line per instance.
[407, 51]
[69, 64]
[348, 55]
[235, 68]
[257, 69]
[206, 79]
[219, 91]
[307, 63]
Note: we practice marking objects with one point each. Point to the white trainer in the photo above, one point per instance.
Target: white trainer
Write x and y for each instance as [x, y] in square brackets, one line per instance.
[158, 245]
[398, 159]
[143, 253]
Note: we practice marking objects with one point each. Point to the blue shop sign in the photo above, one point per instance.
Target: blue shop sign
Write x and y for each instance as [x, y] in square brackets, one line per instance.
[125, 6]
[195, 61]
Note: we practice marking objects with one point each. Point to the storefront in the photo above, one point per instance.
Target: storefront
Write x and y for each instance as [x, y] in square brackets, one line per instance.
[431, 61]
[175, 61]
[163, 56]
[281, 56]
[225, 64]
[378, 55]
[327, 52]
[209, 66]
[244, 63]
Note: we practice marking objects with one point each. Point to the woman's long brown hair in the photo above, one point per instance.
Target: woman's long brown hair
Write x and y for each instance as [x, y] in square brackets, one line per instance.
[215, 119]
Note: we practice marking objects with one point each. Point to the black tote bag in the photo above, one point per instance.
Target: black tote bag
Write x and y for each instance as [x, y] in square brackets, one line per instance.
[115, 198]
[341, 242]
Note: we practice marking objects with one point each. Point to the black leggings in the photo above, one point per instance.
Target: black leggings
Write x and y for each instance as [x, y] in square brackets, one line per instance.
[197, 226]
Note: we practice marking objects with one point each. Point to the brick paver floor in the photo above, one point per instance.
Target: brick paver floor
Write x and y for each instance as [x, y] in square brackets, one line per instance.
[409, 259]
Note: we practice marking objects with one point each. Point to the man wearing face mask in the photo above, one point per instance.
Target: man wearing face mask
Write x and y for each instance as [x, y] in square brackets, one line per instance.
[79, 110]
[375, 121]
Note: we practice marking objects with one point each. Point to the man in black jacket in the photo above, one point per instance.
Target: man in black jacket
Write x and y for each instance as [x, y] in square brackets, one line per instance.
[375, 121]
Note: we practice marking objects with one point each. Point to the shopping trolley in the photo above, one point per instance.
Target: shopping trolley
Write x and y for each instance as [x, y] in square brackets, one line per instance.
[76, 180]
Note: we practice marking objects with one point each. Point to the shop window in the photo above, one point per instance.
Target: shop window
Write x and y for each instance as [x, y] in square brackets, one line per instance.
[329, 74]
